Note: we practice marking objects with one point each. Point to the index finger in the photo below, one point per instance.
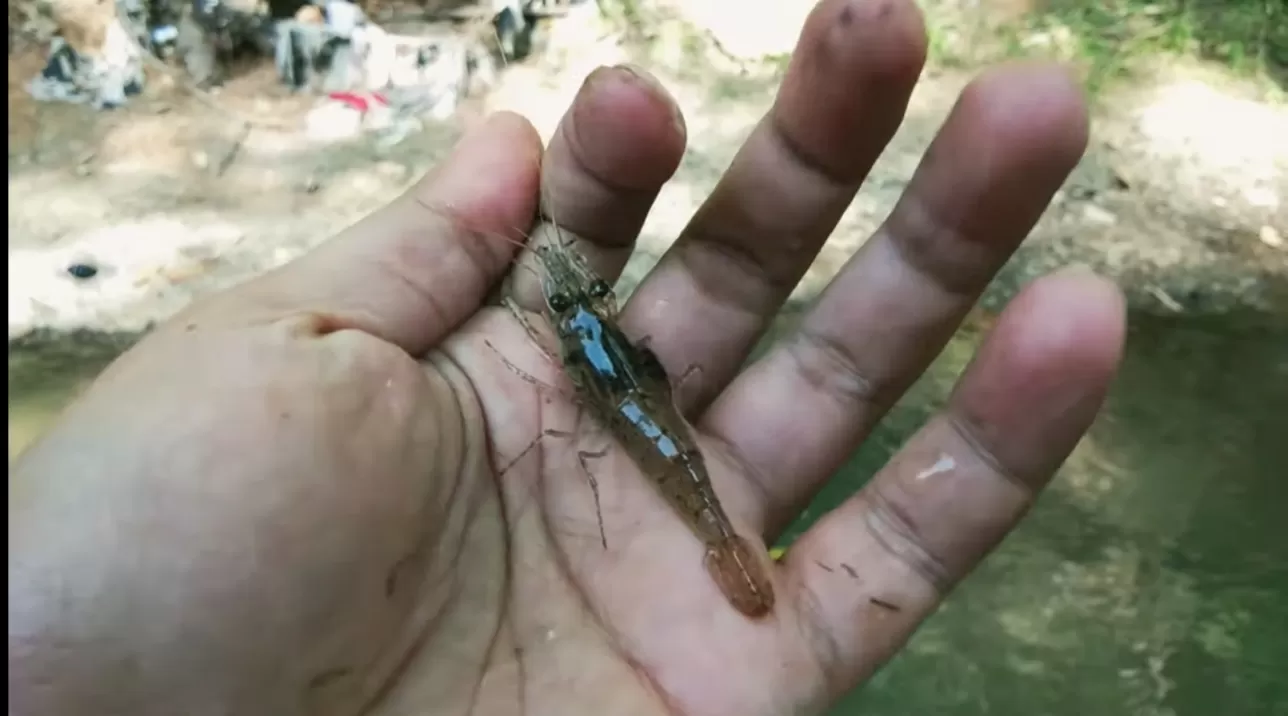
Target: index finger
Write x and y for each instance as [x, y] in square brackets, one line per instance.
[621, 139]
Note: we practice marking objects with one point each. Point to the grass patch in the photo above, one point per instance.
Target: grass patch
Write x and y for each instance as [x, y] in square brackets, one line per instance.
[1108, 38]
[1249, 36]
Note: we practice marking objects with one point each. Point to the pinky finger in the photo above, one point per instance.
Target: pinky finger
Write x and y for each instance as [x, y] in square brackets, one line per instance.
[876, 566]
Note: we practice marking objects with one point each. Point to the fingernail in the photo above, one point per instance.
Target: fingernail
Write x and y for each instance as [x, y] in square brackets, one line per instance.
[596, 75]
[478, 128]
[642, 75]
[644, 78]
[634, 75]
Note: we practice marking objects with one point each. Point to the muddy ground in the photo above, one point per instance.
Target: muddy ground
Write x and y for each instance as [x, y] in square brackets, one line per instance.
[1183, 194]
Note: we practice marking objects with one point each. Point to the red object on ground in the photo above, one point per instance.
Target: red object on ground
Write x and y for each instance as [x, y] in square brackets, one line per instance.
[362, 103]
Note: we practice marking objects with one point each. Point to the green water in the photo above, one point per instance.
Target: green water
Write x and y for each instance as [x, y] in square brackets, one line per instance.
[1151, 579]
[46, 372]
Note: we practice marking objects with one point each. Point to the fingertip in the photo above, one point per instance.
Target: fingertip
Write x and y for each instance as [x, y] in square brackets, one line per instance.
[1040, 378]
[847, 87]
[1070, 320]
[625, 129]
[1037, 110]
[1099, 292]
[490, 178]
[875, 40]
[1009, 143]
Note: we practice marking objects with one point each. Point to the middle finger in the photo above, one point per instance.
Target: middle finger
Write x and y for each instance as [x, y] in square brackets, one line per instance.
[843, 97]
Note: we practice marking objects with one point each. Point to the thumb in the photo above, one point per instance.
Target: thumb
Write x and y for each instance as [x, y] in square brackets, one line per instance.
[417, 268]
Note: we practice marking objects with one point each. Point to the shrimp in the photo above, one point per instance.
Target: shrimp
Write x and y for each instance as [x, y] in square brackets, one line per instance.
[626, 388]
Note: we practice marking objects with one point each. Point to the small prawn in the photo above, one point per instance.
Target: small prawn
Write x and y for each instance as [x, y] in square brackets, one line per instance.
[627, 389]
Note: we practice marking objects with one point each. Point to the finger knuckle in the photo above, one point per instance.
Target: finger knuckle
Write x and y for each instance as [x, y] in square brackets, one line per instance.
[830, 369]
[898, 534]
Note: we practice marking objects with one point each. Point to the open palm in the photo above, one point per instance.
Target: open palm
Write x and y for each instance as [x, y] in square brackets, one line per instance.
[312, 517]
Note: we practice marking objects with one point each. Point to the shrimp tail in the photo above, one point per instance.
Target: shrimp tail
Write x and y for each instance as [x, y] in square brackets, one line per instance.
[741, 573]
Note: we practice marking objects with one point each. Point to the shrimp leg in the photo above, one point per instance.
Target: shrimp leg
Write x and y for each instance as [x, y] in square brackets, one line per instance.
[583, 456]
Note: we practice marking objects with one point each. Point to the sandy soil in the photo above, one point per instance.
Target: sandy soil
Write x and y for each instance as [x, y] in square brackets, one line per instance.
[1183, 195]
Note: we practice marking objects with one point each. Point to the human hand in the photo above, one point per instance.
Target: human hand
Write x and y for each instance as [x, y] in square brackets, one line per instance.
[286, 499]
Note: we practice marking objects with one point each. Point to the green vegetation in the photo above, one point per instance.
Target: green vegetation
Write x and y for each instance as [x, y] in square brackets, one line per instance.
[1108, 37]
[624, 14]
[1248, 35]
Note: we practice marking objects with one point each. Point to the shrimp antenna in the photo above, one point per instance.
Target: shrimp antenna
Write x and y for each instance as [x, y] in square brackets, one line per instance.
[443, 212]
[545, 206]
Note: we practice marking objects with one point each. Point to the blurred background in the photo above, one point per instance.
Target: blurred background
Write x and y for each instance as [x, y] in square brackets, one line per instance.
[162, 149]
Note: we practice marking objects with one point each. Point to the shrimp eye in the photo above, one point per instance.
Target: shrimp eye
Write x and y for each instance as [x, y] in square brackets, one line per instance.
[600, 289]
[559, 302]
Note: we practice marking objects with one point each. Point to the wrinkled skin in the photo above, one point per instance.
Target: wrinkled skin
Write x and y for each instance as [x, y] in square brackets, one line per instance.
[287, 499]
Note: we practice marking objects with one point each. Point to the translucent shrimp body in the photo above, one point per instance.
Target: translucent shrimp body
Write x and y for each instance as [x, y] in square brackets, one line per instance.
[628, 391]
